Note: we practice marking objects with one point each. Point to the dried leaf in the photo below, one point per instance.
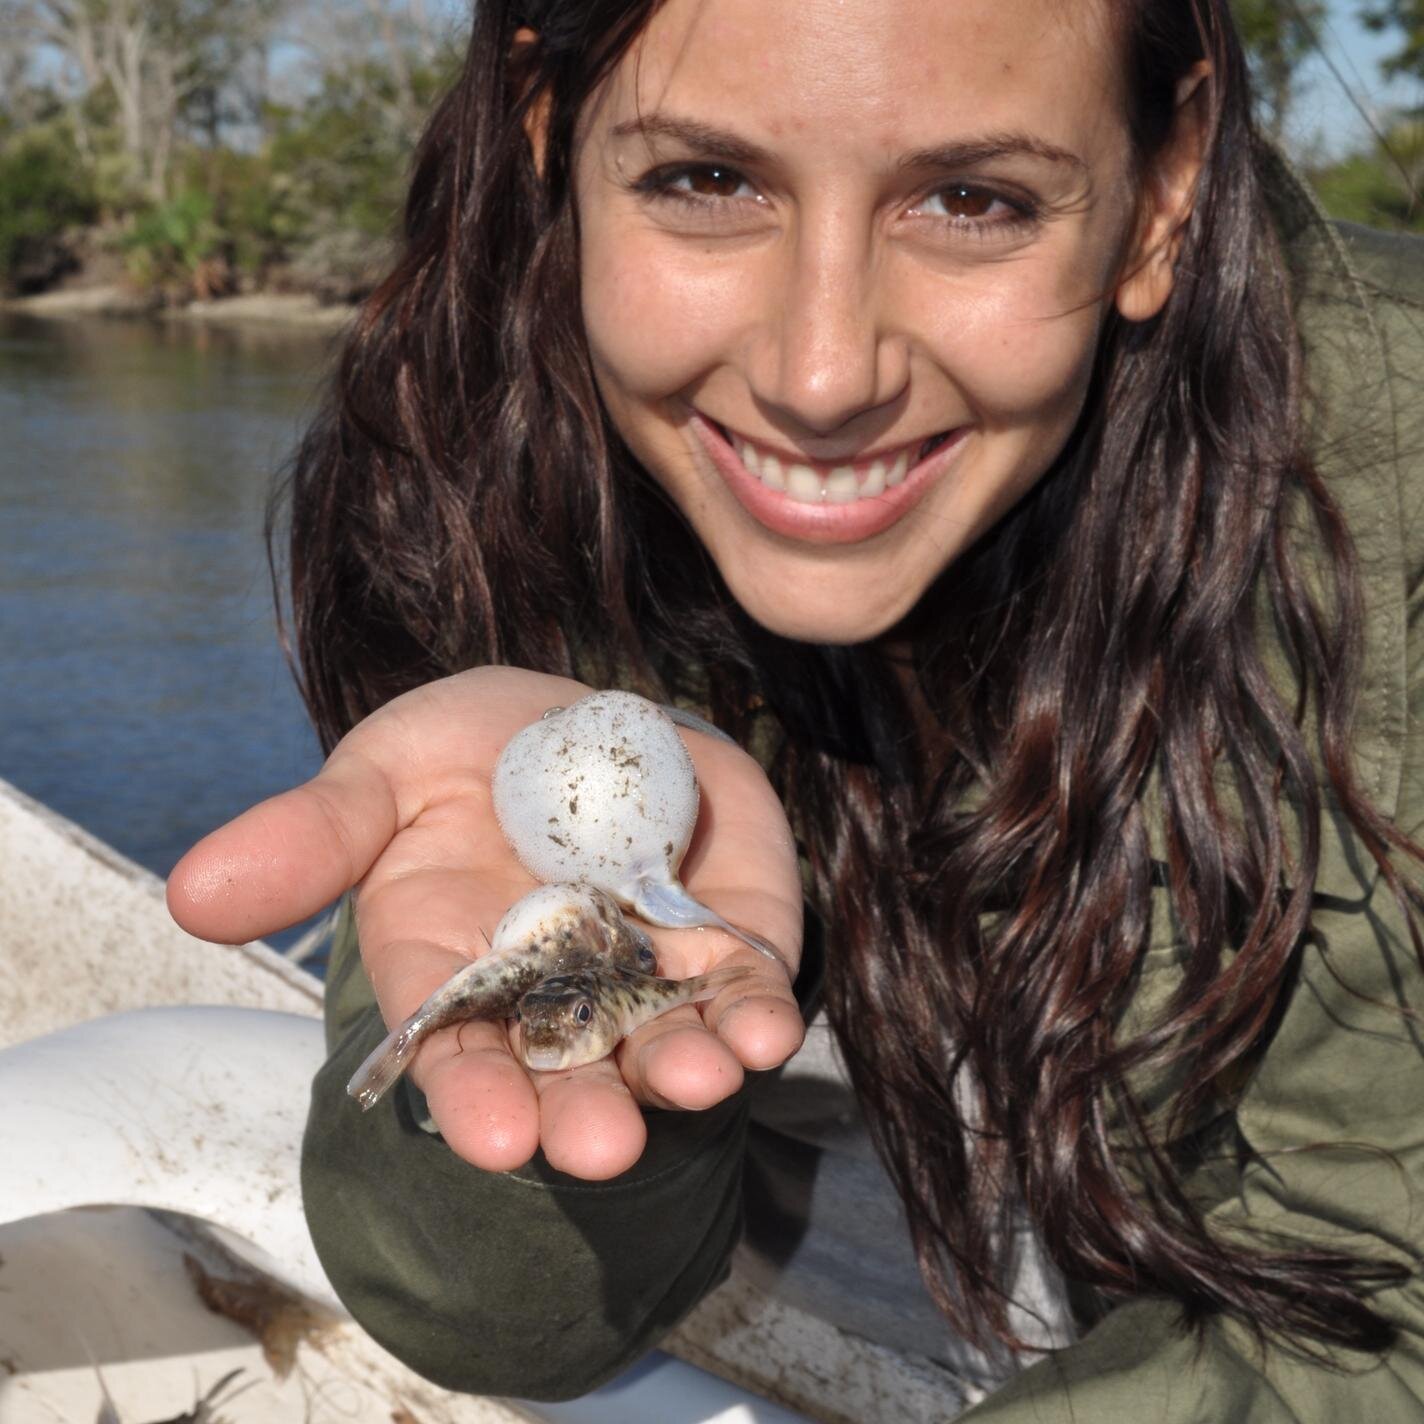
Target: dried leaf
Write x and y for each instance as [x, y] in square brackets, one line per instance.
[278, 1319]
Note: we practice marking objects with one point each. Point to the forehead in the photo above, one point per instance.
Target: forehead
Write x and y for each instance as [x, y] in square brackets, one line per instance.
[874, 77]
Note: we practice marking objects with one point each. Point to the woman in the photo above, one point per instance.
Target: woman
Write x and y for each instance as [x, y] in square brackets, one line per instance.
[913, 388]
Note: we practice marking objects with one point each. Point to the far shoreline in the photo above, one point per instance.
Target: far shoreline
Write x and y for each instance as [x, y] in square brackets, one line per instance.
[254, 308]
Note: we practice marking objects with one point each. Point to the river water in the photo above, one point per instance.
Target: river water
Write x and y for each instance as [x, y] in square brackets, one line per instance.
[143, 693]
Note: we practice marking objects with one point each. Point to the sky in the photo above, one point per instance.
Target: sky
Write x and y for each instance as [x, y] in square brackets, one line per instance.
[1325, 118]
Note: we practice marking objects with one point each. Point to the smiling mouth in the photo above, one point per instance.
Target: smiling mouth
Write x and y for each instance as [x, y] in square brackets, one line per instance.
[813, 482]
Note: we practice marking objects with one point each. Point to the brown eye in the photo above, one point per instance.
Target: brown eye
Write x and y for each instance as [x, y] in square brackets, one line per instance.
[584, 1012]
[962, 201]
[713, 182]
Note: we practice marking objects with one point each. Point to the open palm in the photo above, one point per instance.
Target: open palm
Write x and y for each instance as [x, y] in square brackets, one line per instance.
[402, 811]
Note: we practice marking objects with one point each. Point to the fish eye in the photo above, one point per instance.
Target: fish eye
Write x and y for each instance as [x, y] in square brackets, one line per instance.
[584, 1012]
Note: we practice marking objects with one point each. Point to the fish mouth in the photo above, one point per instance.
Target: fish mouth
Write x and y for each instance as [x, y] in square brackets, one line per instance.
[543, 1060]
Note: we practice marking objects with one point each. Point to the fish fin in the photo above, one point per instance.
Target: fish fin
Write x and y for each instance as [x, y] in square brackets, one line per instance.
[684, 718]
[709, 985]
[386, 1062]
[762, 946]
[668, 904]
[671, 905]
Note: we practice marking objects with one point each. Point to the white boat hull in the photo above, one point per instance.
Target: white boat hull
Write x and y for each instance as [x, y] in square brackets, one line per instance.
[145, 1068]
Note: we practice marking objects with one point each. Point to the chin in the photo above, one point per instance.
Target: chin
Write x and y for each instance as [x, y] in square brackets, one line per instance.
[821, 621]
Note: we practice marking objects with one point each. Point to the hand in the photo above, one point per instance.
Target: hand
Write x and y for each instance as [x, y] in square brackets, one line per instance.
[402, 811]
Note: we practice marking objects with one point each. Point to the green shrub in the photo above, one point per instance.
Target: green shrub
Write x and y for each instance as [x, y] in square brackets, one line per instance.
[43, 193]
[1375, 187]
[174, 246]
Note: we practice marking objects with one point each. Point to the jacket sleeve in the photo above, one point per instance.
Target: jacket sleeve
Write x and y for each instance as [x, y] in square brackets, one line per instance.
[1333, 1121]
[528, 1283]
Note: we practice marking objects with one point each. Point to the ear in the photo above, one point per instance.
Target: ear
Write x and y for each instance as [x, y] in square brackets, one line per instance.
[1169, 188]
[536, 117]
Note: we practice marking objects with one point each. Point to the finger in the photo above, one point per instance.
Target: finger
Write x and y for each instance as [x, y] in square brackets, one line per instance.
[757, 1015]
[287, 857]
[590, 1126]
[762, 1030]
[480, 1097]
[694, 1056]
[678, 1063]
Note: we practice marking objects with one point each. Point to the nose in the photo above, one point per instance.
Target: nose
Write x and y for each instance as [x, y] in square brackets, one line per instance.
[826, 350]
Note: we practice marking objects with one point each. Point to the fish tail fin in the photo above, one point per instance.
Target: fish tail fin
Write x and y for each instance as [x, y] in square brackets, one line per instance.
[709, 985]
[385, 1063]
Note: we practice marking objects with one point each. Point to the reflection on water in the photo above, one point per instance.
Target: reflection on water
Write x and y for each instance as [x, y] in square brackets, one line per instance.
[142, 691]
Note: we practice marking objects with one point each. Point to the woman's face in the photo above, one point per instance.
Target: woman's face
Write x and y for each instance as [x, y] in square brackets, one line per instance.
[844, 266]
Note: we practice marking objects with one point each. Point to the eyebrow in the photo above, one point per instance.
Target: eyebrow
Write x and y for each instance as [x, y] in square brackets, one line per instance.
[959, 153]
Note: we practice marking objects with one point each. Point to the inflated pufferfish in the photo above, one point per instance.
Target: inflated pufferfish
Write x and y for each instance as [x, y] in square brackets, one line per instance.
[603, 791]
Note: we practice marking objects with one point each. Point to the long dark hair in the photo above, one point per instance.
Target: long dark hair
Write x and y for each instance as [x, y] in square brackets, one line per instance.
[464, 500]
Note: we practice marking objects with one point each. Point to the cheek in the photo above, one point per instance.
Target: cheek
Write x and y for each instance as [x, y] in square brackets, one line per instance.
[657, 320]
[1020, 352]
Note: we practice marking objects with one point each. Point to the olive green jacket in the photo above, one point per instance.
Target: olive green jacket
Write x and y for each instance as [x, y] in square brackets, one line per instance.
[537, 1285]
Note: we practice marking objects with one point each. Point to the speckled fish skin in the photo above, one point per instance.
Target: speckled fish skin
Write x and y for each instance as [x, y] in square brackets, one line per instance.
[576, 1018]
[604, 791]
[548, 932]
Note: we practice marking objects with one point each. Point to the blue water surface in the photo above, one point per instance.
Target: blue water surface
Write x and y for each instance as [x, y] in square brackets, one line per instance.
[143, 692]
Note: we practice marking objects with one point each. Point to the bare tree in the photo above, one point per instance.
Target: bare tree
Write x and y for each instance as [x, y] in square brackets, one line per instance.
[18, 95]
[149, 58]
[379, 44]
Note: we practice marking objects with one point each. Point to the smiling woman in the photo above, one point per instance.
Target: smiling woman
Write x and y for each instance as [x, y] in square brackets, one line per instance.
[960, 406]
[844, 308]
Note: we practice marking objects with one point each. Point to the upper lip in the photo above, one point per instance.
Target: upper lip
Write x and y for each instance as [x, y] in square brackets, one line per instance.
[805, 457]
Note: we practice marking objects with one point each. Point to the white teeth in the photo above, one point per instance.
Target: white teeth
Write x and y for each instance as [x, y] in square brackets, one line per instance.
[803, 484]
[840, 486]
